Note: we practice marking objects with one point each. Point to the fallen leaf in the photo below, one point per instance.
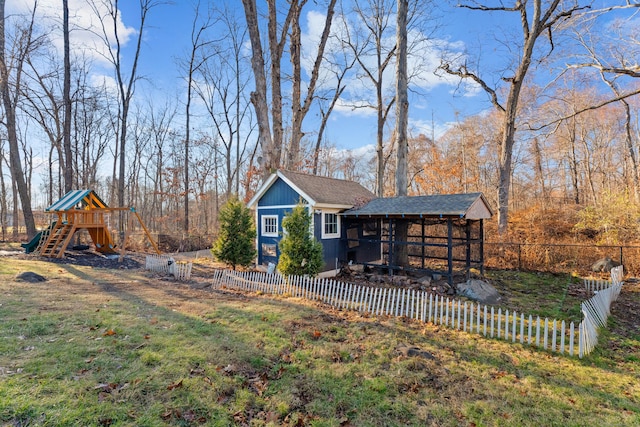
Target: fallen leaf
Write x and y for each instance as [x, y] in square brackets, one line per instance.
[109, 333]
[105, 421]
[174, 385]
[146, 337]
[196, 371]
[189, 415]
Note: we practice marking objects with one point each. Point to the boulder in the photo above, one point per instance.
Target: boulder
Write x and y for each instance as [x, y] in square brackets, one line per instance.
[31, 277]
[425, 280]
[413, 351]
[480, 291]
[604, 265]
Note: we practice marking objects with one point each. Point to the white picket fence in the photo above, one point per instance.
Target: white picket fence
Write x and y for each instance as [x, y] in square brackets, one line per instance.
[165, 264]
[181, 270]
[470, 317]
[596, 310]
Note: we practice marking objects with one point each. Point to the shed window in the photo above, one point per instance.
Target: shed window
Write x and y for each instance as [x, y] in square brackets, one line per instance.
[330, 225]
[270, 225]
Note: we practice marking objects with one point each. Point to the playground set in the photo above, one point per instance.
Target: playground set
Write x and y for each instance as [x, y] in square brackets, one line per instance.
[82, 210]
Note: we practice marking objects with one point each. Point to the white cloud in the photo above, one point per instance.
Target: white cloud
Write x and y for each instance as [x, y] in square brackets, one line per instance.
[360, 108]
[86, 25]
[108, 82]
[429, 128]
[363, 153]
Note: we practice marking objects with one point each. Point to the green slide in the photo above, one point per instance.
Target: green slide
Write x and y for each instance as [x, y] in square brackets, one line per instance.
[32, 245]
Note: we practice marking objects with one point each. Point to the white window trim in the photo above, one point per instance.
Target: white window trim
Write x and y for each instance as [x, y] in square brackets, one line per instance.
[263, 226]
[330, 235]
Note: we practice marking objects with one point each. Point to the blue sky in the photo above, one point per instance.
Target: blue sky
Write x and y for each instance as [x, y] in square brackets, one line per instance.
[439, 102]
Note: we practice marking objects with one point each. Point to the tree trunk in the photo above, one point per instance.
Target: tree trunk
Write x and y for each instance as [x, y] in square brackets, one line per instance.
[401, 252]
[259, 96]
[12, 135]
[66, 97]
[402, 102]
[3, 197]
[299, 111]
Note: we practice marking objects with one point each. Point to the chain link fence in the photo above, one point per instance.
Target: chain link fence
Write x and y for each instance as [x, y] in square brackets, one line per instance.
[559, 258]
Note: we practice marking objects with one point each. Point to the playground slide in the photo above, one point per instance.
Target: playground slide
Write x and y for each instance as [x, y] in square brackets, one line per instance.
[33, 244]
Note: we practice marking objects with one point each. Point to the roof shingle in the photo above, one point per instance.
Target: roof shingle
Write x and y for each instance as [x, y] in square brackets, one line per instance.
[329, 191]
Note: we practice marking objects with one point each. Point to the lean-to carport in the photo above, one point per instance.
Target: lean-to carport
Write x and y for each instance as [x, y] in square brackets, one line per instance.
[446, 233]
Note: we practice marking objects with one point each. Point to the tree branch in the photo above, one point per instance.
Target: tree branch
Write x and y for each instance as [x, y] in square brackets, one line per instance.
[464, 73]
[584, 110]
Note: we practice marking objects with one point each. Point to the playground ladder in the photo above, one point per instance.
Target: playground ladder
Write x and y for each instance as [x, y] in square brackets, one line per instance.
[43, 238]
[57, 241]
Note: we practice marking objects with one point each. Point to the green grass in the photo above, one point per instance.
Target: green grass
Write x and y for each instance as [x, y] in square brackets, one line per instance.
[124, 349]
[550, 295]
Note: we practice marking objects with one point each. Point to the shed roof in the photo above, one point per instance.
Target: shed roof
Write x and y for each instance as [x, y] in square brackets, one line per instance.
[319, 190]
[468, 205]
[76, 198]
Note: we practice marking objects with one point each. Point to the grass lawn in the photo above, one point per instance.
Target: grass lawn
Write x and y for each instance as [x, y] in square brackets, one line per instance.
[101, 347]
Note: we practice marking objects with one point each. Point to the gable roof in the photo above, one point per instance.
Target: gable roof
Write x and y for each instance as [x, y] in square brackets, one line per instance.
[469, 206]
[77, 197]
[318, 190]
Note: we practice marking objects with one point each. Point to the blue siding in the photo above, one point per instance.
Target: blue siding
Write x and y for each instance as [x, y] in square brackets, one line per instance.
[284, 198]
[331, 248]
[280, 194]
[264, 259]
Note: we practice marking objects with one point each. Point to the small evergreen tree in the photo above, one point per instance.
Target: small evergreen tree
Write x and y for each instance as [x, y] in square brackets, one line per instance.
[300, 252]
[234, 244]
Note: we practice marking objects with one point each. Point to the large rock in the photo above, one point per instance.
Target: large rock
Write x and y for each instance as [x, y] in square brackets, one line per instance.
[479, 290]
[31, 277]
[604, 265]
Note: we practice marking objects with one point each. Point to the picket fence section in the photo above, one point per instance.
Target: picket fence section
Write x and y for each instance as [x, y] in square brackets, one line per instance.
[470, 317]
[181, 270]
[158, 263]
[165, 264]
[596, 310]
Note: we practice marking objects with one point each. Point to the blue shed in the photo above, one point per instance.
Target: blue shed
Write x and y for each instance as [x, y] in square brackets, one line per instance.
[326, 198]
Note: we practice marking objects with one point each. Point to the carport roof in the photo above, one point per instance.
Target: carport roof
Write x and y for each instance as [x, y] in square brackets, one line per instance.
[467, 205]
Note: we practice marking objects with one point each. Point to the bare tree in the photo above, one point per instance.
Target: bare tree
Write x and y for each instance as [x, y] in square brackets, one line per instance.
[11, 68]
[66, 100]
[537, 19]
[328, 99]
[108, 11]
[193, 64]
[300, 107]
[375, 17]
[222, 85]
[278, 25]
[161, 122]
[271, 147]
[614, 56]
[402, 111]
[4, 206]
